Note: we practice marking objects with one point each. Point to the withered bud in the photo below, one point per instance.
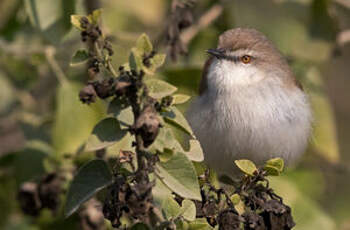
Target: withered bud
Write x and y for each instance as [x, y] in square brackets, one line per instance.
[88, 94]
[91, 216]
[28, 198]
[139, 199]
[229, 220]
[105, 88]
[107, 46]
[125, 156]
[50, 188]
[121, 86]
[277, 215]
[253, 221]
[84, 22]
[147, 125]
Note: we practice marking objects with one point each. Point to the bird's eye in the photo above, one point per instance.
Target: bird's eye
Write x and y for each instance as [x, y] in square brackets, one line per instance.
[246, 59]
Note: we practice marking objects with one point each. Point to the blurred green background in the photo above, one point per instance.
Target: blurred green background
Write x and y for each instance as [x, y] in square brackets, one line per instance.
[41, 115]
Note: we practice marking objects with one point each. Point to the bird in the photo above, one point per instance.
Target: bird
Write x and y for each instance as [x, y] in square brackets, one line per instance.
[250, 105]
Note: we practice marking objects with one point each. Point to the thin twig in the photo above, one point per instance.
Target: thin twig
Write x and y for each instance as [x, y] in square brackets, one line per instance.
[206, 19]
[345, 3]
[343, 37]
[50, 56]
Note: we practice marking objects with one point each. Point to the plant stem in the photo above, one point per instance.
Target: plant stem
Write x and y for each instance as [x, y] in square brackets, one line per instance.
[50, 56]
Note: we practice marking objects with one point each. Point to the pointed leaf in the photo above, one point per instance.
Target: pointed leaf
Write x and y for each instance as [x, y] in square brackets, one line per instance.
[180, 98]
[196, 152]
[91, 178]
[158, 88]
[174, 117]
[75, 20]
[80, 57]
[140, 226]
[50, 17]
[95, 16]
[188, 209]
[144, 45]
[171, 208]
[165, 140]
[135, 60]
[246, 166]
[106, 133]
[155, 63]
[179, 174]
[235, 198]
[124, 114]
[199, 224]
[274, 167]
[74, 120]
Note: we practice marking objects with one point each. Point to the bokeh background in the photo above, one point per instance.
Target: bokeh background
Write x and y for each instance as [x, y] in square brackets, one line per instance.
[39, 117]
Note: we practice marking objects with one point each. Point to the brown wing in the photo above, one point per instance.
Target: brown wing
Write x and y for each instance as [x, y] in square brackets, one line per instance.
[203, 86]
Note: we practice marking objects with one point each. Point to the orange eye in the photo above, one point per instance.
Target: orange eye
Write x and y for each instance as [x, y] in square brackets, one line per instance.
[246, 59]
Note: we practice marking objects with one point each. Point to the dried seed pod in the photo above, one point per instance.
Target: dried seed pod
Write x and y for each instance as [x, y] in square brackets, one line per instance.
[88, 94]
[105, 88]
[122, 85]
[229, 220]
[91, 216]
[28, 198]
[147, 125]
[277, 215]
[253, 221]
[49, 189]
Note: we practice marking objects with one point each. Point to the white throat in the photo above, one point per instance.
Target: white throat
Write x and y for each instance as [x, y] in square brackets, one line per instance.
[226, 74]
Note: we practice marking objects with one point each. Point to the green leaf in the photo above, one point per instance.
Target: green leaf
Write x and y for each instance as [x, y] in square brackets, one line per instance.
[188, 209]
[246, 166]
[135, 60]
[91, 178]
[174, 117]
[144, 45]
[199, 224]
[235, 198]
[75, 20]
[171, 208]
[74, 120]
[179, 174]
[7, 94]
[158, 60]
[124, 114]
[106, 133]
[80, 57]
[160, 191]
[95, 16]
[51, 17]
[274, 167]
[140, 226]
[166, 155]
[155, 63]
[180, 98]
[165, 140]
[35, 152]
[196, 152]
[158, 88]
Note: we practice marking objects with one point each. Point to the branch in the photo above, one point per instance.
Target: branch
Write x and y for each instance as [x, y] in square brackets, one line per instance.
[205, 20]
[50, 56]
[343, 37]
[345, 3]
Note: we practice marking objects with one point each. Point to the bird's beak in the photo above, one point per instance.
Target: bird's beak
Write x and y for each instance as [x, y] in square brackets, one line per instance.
[218, 53]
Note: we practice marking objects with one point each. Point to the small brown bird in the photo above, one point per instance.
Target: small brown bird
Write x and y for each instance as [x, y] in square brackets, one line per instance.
[250, 105]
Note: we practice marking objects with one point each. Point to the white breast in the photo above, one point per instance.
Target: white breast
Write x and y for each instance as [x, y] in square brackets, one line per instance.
[244, 115]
